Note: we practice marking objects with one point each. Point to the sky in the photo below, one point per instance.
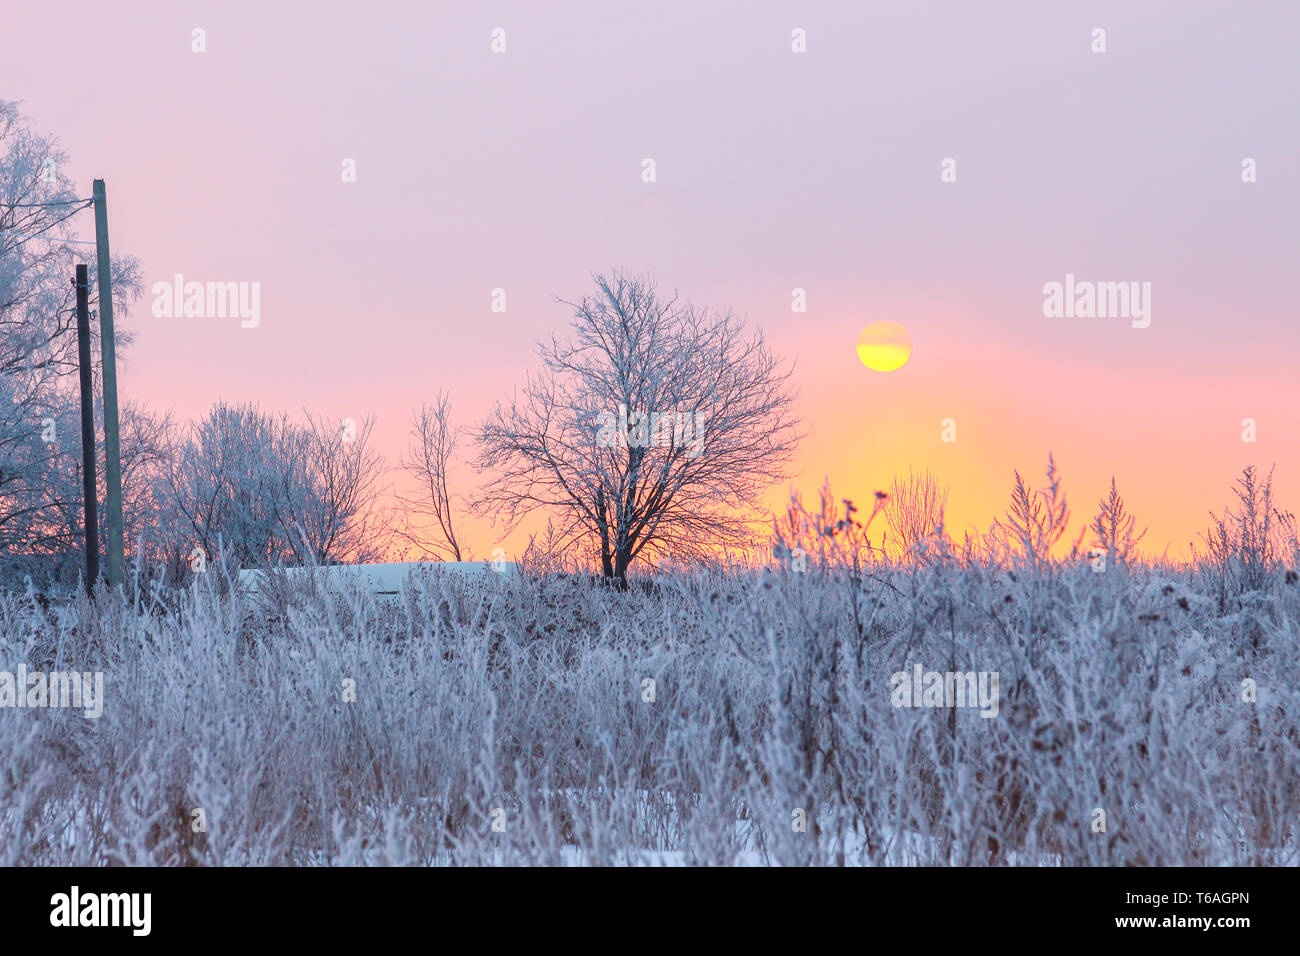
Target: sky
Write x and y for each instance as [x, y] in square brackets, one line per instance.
[824, 170]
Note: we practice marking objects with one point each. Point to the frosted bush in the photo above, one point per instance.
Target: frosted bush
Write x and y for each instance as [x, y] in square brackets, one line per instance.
[548, 720]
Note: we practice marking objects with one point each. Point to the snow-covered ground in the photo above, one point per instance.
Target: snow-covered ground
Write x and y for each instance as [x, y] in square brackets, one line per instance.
[742, 718]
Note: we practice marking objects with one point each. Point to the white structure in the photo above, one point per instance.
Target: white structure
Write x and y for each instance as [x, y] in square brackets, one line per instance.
[387, 579]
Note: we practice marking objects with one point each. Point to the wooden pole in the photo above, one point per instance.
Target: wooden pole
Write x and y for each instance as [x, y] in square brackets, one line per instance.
[108, 345]
[82, 283]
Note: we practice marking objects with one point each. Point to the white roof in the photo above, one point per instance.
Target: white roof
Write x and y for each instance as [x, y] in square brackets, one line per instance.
[388, 578]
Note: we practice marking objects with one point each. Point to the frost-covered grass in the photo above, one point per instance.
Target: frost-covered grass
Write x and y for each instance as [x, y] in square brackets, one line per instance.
[523, 704]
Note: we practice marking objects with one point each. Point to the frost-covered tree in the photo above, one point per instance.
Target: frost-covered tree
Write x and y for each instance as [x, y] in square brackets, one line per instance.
[650, 431]
[341, 514]
[40, 437]
[258, 488]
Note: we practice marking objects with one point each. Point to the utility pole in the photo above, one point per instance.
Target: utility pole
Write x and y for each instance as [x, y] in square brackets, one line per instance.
[108, 345]
[82, 282]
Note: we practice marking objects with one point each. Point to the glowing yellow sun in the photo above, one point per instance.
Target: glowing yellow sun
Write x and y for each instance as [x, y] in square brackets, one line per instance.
[884, 346]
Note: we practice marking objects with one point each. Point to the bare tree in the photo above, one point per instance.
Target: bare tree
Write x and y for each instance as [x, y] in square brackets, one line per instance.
[652, 431]
[433, 442]
[915, 509]
[344, 469]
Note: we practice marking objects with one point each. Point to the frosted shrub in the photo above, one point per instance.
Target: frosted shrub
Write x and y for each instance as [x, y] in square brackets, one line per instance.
[715, 717]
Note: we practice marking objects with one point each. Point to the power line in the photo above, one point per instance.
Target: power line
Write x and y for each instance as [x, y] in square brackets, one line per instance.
[35, 235]
[48, 238]
[35, 205]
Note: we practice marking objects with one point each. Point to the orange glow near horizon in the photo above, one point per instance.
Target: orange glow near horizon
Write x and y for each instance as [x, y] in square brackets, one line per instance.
[782, 178]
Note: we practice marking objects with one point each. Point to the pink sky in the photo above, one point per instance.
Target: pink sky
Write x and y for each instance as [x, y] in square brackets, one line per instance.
[775, 170]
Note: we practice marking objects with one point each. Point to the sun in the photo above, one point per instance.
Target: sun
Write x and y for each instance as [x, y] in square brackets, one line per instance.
[884, 346]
